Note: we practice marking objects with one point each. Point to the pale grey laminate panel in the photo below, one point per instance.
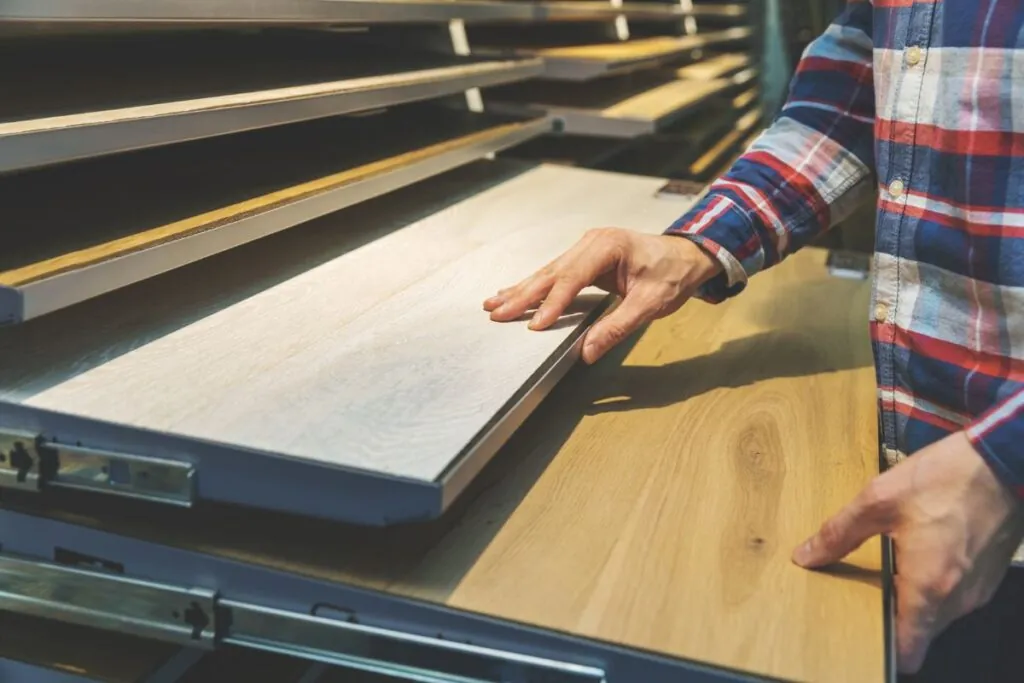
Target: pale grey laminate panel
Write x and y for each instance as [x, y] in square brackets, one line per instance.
[379, 359]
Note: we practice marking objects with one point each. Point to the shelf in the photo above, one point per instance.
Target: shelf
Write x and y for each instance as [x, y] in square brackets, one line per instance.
[583, 62]
[588, 10]
[85, 99]
[104, 14]
[75, 231]
[624, 107]
[709, 163]
[674, 152]
[719, 11]
[568, 150]
[718, 66]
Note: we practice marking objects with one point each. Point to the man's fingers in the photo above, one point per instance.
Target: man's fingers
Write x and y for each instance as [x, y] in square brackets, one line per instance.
[633, 312]
[522, 298]
[868, 515]
[595, 254]
[916, 625]
[557, 300]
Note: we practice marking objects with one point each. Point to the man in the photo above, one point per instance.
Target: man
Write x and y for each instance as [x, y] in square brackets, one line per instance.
[922, 99]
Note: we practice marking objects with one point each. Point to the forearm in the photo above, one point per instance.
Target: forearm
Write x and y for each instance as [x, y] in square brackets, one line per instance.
[806, 172]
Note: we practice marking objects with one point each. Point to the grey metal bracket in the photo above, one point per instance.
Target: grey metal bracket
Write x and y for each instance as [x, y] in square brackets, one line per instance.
[199, 618]
[30, 462]
[185, 616]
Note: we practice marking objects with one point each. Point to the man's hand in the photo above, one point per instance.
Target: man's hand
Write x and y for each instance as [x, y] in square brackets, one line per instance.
[654, 275]
[955, 528]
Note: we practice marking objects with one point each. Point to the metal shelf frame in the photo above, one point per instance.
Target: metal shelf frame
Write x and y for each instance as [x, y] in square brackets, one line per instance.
[194, 13]
[284, 613]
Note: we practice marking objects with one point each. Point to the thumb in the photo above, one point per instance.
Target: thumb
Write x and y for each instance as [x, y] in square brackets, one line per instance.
[866, 516]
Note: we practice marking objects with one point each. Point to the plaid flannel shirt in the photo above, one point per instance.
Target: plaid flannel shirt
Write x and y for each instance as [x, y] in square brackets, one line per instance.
[922, 99]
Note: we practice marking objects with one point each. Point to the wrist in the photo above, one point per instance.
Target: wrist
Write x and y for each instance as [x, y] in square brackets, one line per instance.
[700, 264]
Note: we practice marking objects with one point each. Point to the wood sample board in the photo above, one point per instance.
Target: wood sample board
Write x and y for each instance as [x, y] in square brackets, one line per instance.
[652, 502]
[368, 356]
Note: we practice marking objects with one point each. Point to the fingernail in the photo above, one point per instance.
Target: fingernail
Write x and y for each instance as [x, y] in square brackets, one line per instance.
[804, 553]
[534, 321]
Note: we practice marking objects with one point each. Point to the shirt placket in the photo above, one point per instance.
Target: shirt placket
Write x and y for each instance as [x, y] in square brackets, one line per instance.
[903, 105]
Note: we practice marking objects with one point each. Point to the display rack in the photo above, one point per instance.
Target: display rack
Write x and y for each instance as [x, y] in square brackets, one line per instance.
[228, 228]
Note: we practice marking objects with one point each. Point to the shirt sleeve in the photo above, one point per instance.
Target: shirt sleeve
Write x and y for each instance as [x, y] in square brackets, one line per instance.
[806, 172]
[997, 435]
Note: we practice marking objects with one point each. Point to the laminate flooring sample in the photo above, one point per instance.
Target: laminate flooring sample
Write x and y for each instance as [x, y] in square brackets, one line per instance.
[379, 359]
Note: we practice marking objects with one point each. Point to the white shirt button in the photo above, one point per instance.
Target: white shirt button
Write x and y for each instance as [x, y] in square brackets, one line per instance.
[881, 312]
[896, 189]
[914, 55]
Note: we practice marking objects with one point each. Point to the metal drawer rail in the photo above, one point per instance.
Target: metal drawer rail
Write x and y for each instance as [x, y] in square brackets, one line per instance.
[30, 462]
[199, 618]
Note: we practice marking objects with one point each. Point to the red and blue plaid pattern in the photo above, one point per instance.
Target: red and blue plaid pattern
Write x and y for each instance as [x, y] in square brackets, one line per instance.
[925, 100]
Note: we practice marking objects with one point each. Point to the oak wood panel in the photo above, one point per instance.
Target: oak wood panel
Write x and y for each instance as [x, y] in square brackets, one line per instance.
[70, 217]
[376, 359]
[652, 501]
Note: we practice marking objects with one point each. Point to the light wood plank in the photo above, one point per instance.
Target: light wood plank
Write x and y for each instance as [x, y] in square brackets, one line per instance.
[652, 501]
[374, 359]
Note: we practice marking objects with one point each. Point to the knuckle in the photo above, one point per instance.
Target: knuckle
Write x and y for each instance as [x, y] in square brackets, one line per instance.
[941, 584]
[876, 498]
[830, 534]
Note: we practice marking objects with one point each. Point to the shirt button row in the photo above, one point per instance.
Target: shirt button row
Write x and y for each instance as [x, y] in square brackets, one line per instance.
[896, 189]
[914, 55]
[881, 313]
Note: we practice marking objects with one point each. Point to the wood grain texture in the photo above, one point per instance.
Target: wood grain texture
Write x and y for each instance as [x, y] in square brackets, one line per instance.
[652, 501]
[123, 202]
[378, 359]
[714, 67]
